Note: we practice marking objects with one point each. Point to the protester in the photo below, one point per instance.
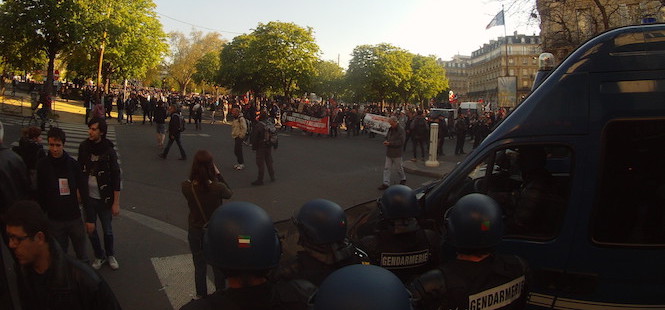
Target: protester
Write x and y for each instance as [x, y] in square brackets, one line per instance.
[263, 149]
[393, 143]
[14, 182]
[99, 162]
[204, 191]
[60, 183]
[31, 151]
[176, 126]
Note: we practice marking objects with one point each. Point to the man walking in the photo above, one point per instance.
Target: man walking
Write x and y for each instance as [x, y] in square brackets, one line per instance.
[176, 125]
[394, 141]
[238, 132]
[99, 162]
[60, 182]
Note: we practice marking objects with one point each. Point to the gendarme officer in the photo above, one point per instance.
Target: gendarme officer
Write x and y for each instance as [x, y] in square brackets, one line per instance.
[477, 278]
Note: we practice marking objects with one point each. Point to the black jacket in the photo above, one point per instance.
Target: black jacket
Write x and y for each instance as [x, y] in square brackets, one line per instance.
[14, 183]
[68, 285]
[101, 160]
[56, 205]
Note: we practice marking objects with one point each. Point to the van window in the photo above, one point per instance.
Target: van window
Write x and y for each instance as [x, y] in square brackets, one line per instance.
[630, 208]
[530, 182]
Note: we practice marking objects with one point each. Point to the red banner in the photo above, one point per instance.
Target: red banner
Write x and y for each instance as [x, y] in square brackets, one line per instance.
[307, 123]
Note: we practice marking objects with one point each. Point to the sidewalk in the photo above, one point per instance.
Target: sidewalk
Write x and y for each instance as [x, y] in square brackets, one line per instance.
[447, 163]
[69, 111]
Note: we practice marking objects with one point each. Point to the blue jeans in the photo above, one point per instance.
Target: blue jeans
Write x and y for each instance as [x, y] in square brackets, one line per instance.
[195, 237]
[97, 208]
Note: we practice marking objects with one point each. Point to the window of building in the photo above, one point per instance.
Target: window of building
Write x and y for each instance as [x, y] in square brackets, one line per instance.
[631, 199]
[511, 61]
[525, 60]
[525, 72]
[531, 183]
[525, 83]
[511, 72]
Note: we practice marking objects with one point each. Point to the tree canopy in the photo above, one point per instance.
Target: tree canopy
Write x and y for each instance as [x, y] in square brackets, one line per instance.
[187, 51]
[276, 57]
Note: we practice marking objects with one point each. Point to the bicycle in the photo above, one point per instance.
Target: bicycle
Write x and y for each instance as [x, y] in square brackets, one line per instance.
[36, 120]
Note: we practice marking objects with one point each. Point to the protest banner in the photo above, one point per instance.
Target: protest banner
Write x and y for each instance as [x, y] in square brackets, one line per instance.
[307, 123]
[377, 123]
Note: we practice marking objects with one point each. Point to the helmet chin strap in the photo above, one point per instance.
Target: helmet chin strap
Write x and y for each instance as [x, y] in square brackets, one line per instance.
[406, 225]
[330, 253]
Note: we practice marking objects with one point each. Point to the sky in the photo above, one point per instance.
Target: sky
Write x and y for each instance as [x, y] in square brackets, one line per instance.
[442, 28]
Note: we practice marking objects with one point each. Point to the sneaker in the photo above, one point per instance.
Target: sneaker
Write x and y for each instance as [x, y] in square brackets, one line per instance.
[98, 262]
[257, 182]
[241, 166]
[236, 166]
[382, 187]
[113, 263]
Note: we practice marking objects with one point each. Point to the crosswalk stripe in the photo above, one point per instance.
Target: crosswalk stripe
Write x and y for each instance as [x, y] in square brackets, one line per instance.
[75, 134]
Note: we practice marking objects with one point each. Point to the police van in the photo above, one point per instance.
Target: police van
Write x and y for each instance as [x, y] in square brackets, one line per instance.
[578, 169]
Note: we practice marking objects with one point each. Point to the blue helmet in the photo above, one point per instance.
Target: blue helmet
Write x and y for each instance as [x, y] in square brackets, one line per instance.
[399, 201]
[241, 236]
[364, 287]
[474, 222]
[321, 221]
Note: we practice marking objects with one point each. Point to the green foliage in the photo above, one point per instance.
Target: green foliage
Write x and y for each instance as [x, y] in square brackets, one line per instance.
[429, 78]
[379, 72]
[384, 72]
[207, 68]
[186, 53]
[39, 30]
[275, 57]
[134, 42]
[327, 80]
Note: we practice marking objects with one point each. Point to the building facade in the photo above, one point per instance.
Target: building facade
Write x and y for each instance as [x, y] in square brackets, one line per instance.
[515, 57]
[458, 76]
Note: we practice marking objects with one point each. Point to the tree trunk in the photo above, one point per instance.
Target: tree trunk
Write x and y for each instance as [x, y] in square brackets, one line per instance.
[603, 12]
[48, 85]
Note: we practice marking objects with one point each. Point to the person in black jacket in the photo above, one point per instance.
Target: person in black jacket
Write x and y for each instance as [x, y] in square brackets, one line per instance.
[99, 162]
[263, 149]
[60, 182]
[176, 125]
[31, 151]
[48, 278]
[14, 183]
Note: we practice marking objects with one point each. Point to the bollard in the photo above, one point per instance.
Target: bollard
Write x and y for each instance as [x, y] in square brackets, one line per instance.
[433, 142]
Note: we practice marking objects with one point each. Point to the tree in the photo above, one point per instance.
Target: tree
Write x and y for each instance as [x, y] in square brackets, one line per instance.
[428, 79]
[275, 57]
[186, 52]
[132, 36]
[288, 54]
[327, 79]
[566, 24]
[379, 72]
[42, 28]
[238, 70]
[207, 68]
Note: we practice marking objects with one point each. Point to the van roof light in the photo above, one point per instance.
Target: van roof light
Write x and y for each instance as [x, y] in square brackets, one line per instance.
[546, 61]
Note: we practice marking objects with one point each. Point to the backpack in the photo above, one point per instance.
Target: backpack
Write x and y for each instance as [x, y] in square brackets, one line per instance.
[182, 122]
[270, 134]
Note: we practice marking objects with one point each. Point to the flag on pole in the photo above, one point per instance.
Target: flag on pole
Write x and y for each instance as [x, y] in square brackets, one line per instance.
[496, 21]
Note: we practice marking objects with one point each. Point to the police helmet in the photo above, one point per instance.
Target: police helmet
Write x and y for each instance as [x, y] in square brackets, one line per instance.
[474, 222]
[399, 201]
[321, 221]
[241, 236]
[365, 287]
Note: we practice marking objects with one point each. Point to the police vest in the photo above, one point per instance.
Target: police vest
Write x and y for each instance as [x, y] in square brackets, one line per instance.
[498, 282]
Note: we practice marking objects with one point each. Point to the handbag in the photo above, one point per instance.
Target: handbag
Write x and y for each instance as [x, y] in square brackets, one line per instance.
[198, 203]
